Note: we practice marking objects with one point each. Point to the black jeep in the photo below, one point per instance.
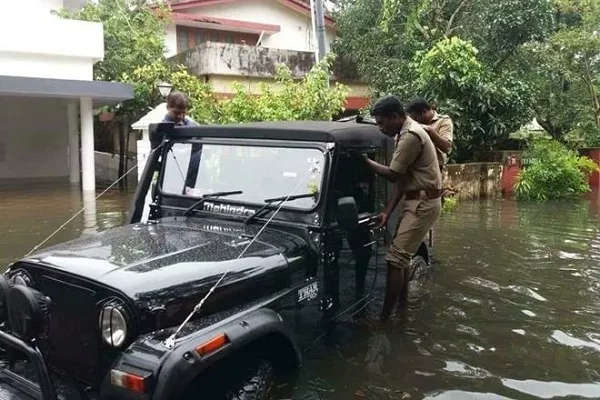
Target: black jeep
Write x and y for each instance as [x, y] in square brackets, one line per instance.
[244, 242]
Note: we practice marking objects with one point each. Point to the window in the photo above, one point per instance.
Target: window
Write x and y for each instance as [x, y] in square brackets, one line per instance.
[183, 40]
[200, 38]
[259, 172]
[230, 38]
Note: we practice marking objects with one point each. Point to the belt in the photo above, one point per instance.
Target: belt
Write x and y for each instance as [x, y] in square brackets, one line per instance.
[417, 194]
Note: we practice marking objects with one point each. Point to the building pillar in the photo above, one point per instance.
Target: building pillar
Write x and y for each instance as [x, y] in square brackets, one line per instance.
[74, 168]
[90, 223]
[88, 174]
[143, 151]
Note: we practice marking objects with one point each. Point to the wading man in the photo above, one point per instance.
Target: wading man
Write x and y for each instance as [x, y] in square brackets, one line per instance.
[415, 172]
[439, 128]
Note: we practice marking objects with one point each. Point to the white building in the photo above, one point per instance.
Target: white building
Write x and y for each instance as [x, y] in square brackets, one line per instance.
[227, 41]
[47, 92]
[278, 24]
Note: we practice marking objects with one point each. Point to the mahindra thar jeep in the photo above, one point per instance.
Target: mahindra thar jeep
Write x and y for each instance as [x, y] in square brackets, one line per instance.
[244, 242]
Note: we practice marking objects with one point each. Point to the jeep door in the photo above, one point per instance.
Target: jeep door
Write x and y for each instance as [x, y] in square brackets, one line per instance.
[349, 274]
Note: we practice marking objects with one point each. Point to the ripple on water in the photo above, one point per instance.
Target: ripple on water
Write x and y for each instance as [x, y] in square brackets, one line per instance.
[485, 283]
[529, 313]
[568, 340]
[550, 390]
[527, 291]
[464, 395]
[460, 369]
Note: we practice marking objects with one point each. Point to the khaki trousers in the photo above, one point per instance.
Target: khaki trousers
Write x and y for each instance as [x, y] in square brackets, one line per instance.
[418, 217]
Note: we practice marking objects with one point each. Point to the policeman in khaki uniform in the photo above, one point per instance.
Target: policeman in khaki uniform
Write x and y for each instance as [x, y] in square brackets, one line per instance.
[439, 127]
[415, 171]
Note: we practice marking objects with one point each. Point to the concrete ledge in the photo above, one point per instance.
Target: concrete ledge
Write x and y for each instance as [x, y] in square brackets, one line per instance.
[240, 60]
[107, 168]
[475, 180]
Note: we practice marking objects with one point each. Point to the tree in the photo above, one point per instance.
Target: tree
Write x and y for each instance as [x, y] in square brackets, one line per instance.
[564, 74]
[457, 52]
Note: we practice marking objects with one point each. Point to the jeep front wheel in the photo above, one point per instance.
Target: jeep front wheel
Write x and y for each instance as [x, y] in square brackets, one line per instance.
[255, 383]
[240, 377]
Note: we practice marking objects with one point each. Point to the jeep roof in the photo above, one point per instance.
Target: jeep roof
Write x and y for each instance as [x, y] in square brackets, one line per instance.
[344, 134]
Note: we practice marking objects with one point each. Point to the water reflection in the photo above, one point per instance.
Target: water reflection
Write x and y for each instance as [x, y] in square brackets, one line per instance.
[31, 210]
[512, 311]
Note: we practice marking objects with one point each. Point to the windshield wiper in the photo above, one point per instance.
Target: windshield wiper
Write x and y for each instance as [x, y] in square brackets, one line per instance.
[209, 196]
[269, 206]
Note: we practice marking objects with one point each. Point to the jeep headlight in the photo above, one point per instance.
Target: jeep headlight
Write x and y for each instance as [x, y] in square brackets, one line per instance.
[113, 325]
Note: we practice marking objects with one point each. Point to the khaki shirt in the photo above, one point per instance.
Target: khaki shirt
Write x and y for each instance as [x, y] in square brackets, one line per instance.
[415, 158]
[443, 126]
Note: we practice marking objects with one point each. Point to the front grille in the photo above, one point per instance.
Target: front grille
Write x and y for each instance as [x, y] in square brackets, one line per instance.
[73, 337]
[73, 344]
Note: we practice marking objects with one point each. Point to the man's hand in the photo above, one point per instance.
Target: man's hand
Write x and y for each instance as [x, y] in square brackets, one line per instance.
[428, 129]
[379, 221]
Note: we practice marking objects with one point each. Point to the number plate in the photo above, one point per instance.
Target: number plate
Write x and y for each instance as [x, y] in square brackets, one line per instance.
[309, 292]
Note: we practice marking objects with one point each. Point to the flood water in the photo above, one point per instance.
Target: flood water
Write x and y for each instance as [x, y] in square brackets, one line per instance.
[512, 311]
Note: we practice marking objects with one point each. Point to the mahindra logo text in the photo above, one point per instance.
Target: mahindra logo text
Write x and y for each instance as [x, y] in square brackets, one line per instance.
[228, 209]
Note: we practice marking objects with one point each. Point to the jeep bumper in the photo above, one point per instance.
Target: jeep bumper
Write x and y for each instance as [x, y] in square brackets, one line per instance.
[34, 381]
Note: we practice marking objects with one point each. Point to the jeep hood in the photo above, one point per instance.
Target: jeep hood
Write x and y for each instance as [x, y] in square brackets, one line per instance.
[148, 257]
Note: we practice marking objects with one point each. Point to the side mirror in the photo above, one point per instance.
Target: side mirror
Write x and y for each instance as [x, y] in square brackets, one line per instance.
[347, 213]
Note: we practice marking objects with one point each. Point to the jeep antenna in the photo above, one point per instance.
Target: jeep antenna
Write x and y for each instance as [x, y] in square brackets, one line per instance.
[170, 341]
[84, 208]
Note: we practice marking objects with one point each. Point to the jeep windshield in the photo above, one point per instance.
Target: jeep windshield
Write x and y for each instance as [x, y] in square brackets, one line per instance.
[259, 172]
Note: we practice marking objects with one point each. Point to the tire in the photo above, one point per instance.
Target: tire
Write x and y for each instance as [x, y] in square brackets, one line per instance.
[420, 275]
[241, 377]
[419, 268]
[256, 384]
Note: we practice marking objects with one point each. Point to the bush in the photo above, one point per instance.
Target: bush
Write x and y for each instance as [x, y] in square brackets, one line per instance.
[450, 204]
[553, 172]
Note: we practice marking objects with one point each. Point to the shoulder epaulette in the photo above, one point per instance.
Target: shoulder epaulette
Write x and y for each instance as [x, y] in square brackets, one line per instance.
[417, 135]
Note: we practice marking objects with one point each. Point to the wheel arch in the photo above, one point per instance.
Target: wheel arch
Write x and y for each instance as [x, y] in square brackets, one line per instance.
[260, 331]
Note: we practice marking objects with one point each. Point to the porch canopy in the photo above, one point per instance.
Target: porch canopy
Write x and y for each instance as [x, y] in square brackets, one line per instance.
[101, 93]
[39, 104]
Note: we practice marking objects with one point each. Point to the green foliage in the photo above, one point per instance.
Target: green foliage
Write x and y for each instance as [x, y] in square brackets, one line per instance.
[310, 98]
[564, 74]
[458, 53]
[450, 204]
[553, 172]
[485, 106]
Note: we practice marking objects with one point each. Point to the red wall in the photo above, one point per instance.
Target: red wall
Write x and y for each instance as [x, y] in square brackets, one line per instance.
[594, 154]
[510, 172]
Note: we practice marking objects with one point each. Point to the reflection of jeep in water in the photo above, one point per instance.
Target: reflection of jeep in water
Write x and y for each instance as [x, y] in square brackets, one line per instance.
[257, 236]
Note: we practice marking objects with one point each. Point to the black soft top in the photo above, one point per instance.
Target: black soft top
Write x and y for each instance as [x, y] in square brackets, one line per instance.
[350, 134]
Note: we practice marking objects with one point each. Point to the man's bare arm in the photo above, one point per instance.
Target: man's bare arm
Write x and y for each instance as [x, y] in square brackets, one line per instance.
[440, 142]
[382, 170]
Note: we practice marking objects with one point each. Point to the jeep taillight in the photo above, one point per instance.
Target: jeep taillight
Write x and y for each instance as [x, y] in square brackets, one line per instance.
[129, 381]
